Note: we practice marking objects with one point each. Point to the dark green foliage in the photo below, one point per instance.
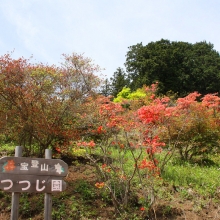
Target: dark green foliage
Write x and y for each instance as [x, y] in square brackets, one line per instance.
[118, 81]
[179, 67]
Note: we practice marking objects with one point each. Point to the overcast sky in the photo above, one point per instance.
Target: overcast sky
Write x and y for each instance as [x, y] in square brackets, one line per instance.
[102, 29]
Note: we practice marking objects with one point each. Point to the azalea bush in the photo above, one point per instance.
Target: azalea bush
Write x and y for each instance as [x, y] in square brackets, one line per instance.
[189, 126]
[192, 128]
[123, 149]
[130, 148]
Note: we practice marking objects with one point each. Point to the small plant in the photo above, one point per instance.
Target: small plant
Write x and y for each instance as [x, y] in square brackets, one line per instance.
[87, 192]
[167, 210]
[25, 208]
[7, 149]
[185, 194]
[59, 212]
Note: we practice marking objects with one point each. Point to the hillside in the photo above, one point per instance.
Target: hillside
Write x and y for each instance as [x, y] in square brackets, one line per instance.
[83, 201]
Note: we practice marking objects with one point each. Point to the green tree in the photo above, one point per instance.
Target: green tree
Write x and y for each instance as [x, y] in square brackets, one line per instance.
[126, 94]
[179, 67]
[118, 81]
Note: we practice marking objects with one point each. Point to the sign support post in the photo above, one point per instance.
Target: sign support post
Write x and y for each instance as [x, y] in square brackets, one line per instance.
[48, 196]
[16, 195]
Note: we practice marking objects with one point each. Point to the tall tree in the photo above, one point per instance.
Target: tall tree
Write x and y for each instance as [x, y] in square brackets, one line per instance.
[40, 104]
[118, 81]
[180, 67]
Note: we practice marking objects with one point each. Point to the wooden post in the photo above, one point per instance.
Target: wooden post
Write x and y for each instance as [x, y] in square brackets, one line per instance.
[48, 196]
[15, 195]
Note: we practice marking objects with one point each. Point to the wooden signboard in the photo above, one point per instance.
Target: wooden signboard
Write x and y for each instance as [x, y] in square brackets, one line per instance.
[33, 166]
[31, 183]
[24, 174]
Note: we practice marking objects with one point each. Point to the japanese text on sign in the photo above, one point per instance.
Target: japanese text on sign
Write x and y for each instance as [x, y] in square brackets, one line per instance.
[31, 183]
[38, 166]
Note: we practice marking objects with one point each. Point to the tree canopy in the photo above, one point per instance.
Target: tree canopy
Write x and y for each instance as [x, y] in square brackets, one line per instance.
[179, 67]
[118, 81]
[39, 104]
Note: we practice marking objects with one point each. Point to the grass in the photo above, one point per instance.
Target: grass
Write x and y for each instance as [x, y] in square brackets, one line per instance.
[204, 179]
[7, 149]
[86, 190]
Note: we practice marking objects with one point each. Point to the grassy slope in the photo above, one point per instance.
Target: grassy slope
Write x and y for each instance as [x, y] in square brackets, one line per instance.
[188, 191]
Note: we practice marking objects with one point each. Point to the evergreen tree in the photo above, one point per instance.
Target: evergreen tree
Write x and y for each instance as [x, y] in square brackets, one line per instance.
[179, 67]
[118, 81]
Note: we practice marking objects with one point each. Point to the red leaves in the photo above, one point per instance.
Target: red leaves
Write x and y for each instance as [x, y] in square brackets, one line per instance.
[211, 100]
[58, 150]
[41, 102]
[100, 130]
[155, 111]
[90, 144]
[142, 209]
[186, 102]
[147, 164]
[151, 114]
[153, 145]
[105, 168]
[100, 185]
[151, 166]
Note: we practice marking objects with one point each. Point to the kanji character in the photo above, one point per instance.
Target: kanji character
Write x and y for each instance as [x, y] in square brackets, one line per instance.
[44, 167]
[24, 166]
[34, 163]
[56, 185]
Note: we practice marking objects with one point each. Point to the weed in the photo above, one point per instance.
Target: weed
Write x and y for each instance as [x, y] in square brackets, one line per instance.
[25, 209]
[185, 194]
[85, 189]
[7, 150]
[167, 210]
[59, 212]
